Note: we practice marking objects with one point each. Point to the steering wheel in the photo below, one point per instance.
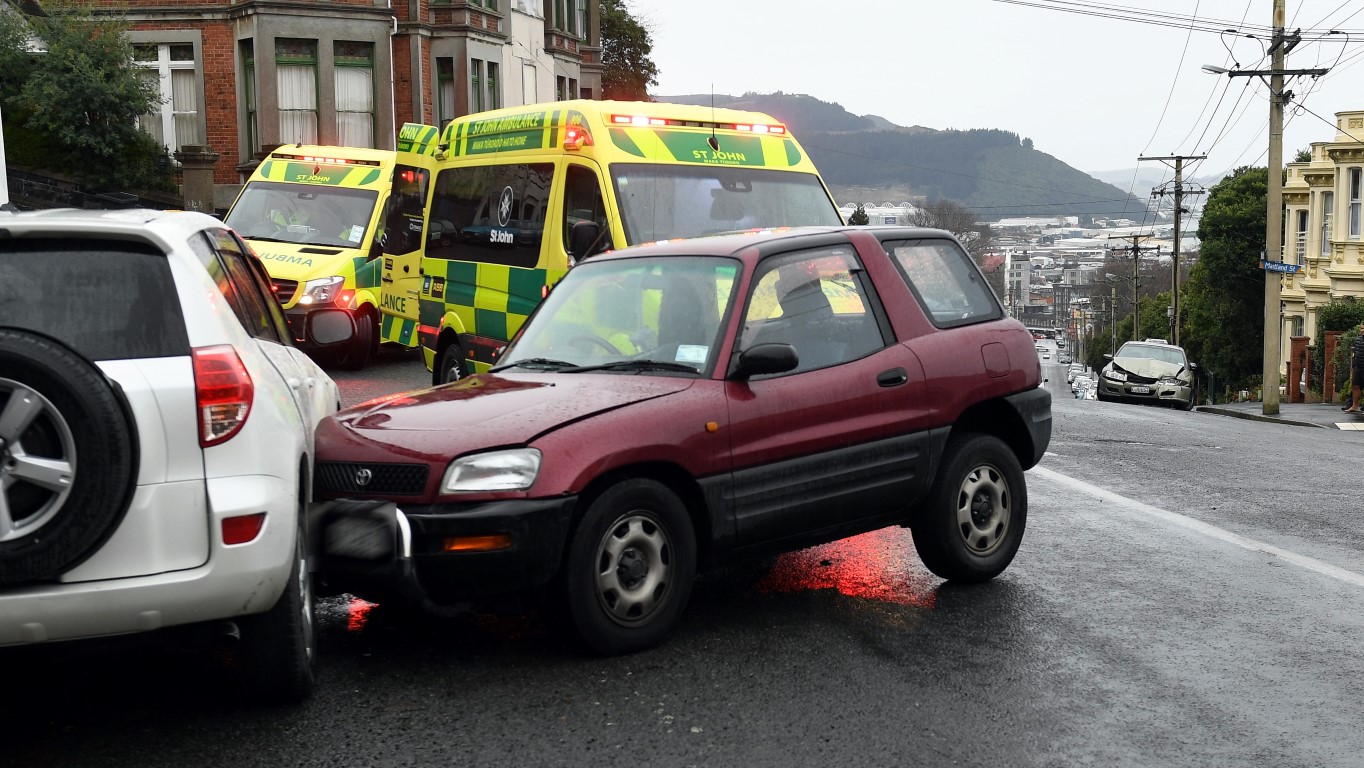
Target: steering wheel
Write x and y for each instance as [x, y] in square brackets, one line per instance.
[595, 341]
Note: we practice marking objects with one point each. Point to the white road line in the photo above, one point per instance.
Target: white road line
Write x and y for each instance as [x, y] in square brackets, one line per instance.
[1198, 526]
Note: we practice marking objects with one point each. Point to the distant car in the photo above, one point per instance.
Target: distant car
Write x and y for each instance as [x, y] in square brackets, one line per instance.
[156, 438]
[676, 406]
[1150, 372]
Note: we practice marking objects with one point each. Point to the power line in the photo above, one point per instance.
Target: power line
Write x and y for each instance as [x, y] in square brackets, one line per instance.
[1139, 15]
[1169, 96]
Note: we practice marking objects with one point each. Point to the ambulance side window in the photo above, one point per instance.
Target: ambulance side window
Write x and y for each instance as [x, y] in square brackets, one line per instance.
[402, 220]
[490, 213]
[583, 202]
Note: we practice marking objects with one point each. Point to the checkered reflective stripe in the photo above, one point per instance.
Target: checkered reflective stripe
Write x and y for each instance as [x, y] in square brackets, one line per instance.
[350, 477]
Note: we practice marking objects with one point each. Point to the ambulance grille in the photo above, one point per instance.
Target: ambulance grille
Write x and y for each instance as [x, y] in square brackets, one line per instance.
[284, 289]
[381, 479]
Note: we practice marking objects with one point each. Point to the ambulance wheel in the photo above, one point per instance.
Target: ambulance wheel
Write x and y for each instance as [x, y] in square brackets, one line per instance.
[450, 367]
[68, 458]
[363, 346]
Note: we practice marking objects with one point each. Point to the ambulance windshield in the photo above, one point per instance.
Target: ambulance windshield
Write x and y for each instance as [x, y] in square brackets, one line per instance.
[663, 202]
[303, 213]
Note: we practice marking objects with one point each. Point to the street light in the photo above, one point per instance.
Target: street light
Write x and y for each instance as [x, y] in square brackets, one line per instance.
[1215, 70]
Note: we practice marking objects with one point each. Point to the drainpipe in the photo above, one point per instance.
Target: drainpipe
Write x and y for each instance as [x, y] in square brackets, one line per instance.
[392, 91]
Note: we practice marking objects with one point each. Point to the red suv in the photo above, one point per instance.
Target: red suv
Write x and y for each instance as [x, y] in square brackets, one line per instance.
[675, 406]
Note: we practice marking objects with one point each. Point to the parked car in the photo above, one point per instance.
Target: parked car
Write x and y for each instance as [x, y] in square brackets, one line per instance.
[1074, 370]
[1150, 372]
[675, 406]
[156, 435]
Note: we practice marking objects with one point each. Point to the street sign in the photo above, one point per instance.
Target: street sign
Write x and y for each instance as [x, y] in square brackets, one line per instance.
[1279, 266]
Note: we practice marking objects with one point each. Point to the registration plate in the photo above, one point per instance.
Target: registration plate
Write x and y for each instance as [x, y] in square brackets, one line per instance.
[1141, 390]
[360, 539]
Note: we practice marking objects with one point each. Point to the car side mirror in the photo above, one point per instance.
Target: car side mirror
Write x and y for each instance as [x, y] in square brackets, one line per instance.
[1193, 366]
[330, 326]
[763, 359]
[582, 239]
[1108, 357]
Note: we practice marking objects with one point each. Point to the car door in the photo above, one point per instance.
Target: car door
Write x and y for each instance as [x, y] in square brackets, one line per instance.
[826, 444]
[404, 242]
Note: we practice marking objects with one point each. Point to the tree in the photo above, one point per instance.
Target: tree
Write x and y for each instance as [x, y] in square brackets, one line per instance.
[859, 217]
[1224, 297]
[1303, 156]
[626, 46]
[973, 233]
[75, 105]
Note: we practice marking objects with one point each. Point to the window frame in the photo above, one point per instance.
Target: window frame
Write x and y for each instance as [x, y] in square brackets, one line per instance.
[1328, 202]
[342, 62]
[285, 59]
[164, 67]
[973, 268]
[1353, 182]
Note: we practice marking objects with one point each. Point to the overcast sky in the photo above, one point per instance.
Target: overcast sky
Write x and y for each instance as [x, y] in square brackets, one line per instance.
[1087, 90]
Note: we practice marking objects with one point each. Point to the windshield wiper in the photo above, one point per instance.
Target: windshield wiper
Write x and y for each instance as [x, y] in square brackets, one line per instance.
[638, 365]
[531, 362]
[269, 239]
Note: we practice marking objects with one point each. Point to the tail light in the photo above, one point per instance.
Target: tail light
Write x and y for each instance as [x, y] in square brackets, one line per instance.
[223, 391]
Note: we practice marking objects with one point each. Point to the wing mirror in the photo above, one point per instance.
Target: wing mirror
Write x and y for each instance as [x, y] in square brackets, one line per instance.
[763, 359]
[330, 326]
[1108, 356]
[583, 240]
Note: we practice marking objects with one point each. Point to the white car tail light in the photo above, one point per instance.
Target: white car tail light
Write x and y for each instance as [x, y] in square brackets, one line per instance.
[223, 392]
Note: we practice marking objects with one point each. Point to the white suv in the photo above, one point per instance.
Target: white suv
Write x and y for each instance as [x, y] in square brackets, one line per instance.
[156, 437]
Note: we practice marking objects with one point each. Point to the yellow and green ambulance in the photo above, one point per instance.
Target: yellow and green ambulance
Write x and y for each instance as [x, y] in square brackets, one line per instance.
[343, 227]
[521, 194]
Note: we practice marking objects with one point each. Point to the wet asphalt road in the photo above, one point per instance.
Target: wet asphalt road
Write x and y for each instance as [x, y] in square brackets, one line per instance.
[1189, 593]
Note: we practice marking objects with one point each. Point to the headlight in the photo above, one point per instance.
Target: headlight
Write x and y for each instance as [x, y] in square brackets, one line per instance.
[513, 470]
[1116, 375]
[323, 290]
[1171, 381]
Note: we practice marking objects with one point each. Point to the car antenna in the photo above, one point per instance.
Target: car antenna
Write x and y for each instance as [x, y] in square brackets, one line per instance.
[713, 141]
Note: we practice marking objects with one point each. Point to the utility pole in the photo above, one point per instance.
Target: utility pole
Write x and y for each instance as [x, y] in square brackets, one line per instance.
[1135, 249]
[1279, 46]
[1179, 210]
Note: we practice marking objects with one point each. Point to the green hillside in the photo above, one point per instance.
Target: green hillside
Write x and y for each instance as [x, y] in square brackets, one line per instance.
[867, 158]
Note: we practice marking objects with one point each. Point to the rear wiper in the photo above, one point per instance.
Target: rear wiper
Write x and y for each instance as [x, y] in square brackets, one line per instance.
[639, 365]
[534, 362]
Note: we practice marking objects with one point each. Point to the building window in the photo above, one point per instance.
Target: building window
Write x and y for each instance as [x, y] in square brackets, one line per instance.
[248, 50]
[483, 85]
[296, 76]
[572, 88]
[560, 88]
[1328, 202]
[354, 93]
[169, 67]
[566, 16]
[1354, 203]
[489, 4]
[1301, 249]
[445, 90]
[581, 14]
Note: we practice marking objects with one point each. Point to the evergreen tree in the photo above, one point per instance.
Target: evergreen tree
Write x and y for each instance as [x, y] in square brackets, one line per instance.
[859, 216]
[626, 46]
[1224, 298]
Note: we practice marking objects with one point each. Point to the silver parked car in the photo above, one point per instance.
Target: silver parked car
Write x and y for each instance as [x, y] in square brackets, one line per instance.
[1150, 372]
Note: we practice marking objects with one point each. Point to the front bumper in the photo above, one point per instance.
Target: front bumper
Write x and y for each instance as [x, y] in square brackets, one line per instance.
[1034, 408]
[372, 547]
[1144, 391]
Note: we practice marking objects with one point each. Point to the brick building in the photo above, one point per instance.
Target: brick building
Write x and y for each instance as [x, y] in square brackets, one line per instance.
[241, 76]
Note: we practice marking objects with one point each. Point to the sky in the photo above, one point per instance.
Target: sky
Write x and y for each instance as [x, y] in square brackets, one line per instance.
[1094, 92]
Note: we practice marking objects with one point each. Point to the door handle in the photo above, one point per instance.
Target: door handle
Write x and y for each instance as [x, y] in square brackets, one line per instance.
[406, 268]
[892, 378]
[386, 279]
[293, 383]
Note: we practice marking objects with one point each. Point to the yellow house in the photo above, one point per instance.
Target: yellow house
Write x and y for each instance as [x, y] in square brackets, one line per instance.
[1322, 227]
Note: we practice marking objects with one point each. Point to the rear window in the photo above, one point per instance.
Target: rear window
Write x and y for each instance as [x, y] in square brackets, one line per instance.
[108, 300]
[946, 282]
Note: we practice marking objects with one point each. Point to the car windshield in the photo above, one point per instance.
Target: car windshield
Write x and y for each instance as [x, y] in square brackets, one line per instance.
[663, 202]
[661, 314]
[303, 213]
[1171, 355]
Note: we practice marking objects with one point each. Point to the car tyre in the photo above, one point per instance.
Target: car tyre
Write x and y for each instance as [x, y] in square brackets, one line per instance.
[450, 367]
[363, 347]
[976, 512]
[68, 458]
[279, 647]
[631, 563]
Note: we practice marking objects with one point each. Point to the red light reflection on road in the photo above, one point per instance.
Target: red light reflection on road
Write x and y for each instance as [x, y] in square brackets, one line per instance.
[880, 565]
[357, 614]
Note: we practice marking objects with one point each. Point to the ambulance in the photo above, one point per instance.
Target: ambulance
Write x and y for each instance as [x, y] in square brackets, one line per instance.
[523, 193]
[341, 227]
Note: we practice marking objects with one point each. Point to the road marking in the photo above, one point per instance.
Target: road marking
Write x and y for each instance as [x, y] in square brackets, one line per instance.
[1198, 526]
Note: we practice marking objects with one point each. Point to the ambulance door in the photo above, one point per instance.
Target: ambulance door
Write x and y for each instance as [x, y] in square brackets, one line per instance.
[404, 237]
[583, 201]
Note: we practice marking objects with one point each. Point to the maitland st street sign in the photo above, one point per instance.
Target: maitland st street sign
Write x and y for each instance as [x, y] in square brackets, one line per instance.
[1279, 266]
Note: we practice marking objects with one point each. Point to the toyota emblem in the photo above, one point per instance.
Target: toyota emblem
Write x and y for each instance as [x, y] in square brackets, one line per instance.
[363, 476]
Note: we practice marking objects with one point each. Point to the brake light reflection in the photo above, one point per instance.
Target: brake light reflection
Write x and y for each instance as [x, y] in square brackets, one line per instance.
[874, 566]
[357, 614]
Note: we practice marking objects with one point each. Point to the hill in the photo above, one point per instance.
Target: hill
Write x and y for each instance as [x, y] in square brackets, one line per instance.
[866, 158]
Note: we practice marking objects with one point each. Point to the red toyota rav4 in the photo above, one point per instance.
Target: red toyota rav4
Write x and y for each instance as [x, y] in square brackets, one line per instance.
[674, 406]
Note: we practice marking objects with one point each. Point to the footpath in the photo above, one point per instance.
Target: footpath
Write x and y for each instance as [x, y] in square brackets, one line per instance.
[1321, 415]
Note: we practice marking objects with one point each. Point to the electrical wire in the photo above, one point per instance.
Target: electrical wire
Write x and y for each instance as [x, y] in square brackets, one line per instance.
[1169, 96]
[1139, 15]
